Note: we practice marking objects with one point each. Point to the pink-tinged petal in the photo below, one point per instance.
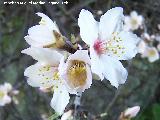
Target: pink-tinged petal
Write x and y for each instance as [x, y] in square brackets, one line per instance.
[132, 112]
[7, 99]
[96, 64]
[88, 27]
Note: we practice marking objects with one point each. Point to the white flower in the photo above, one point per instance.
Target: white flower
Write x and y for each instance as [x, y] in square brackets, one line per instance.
[44, 74]
[134, 21]
[108, 44]
[67, 115]
[142, 47]
[152, 54]
[4, 97]
[76, 72]
[42, 35]
[132, 112]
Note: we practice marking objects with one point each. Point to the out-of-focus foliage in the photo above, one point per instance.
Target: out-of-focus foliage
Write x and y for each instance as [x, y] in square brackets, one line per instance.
[141, 88]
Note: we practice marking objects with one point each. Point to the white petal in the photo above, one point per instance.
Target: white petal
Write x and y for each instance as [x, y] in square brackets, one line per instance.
[113, 70]
[132, 112]
[142, 46]
[38, 76]
[129, 41]
[95, 64]
[48, 22]
[110, 22]
[41, 34]
[44, 55]
[81, 55]
[8, 87]
[134, 14]
[89, 79]
[152, 54]
[60, 99]
[88, 27]
[7, 99]
[32, 42]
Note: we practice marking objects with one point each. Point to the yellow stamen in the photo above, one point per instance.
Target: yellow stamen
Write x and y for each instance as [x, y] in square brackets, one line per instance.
[56, 75]
[42, 22]
[1, 94]
[77, 73]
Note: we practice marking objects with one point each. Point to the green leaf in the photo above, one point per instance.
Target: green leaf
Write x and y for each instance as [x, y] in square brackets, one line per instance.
[156, 111]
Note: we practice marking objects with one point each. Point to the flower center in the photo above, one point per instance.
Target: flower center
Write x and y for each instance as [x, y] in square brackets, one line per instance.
[99, 46]
[49, 76]
[113, 46]
[134, 22]
[1, 94]
[77, 73]
[151, 53]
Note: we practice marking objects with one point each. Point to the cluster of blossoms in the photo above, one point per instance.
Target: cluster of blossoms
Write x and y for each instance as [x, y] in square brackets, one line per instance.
[7, 94]
[65, 72]
[149, 46]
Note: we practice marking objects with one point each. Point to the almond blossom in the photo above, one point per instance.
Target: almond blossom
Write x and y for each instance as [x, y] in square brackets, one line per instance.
[76, 72]
[4, 97]
[152, 54]
[6, 94]
[43, 34]
[44, 74]
[134, 21]
[109, 43]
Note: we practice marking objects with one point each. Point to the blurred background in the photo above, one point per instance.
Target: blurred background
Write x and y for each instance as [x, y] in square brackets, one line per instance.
[143, 83]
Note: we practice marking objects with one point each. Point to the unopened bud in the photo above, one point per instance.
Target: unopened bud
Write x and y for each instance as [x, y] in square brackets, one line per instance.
[129, 113]
[132, 112]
